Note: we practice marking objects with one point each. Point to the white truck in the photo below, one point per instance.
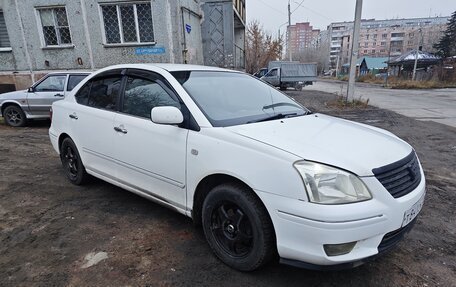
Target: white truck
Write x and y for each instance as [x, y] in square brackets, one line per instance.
[290, 74]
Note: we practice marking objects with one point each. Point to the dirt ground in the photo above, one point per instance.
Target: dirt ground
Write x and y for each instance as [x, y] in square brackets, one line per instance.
[48, 226]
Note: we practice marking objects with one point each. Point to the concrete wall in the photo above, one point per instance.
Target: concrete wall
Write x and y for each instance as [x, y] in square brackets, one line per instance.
[28, 57]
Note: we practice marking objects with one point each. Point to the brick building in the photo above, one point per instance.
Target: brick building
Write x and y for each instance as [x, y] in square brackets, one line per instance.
[302, 36]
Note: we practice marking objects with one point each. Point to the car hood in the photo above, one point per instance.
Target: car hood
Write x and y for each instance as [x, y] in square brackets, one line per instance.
[348, 145]
[12, 95]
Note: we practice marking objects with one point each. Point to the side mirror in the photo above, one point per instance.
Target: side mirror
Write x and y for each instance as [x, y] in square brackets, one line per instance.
[31, 90]
[166, 115]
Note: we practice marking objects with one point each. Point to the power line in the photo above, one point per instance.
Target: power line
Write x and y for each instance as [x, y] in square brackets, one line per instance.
[299, 5]
[271, 7]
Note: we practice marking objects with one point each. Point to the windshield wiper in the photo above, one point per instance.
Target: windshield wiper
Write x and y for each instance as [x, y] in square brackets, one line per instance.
[275, 117]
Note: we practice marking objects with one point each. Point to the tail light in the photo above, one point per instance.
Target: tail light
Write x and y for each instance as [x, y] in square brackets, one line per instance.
[50, 113]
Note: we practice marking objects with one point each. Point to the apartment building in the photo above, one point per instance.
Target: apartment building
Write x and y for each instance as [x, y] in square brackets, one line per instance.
[384, 38]
[302, 36]
[40, 36]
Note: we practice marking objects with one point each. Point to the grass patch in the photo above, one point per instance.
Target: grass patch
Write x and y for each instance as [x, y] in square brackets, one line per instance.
[372, 79]
[340, 103]
[409, 84]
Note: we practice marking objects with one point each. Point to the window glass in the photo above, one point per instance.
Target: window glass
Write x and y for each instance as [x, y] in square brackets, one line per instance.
[272, 73]
[135, 20]
[73, 80]
[142, 95]
[56, 30]
[228, 98]
[51, 84]
[82, 96]
[104, 92]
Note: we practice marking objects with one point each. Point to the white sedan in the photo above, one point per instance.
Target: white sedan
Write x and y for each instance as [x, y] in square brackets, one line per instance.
[262, 174]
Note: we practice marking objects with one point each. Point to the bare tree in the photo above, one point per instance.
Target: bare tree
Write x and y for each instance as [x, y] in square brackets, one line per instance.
[261, 48]
[318, 54]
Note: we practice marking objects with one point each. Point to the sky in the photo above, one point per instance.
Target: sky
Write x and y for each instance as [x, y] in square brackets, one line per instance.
[320, 13]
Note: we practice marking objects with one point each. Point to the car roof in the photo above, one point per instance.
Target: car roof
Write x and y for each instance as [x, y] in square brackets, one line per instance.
[187, 67]
[168, 67]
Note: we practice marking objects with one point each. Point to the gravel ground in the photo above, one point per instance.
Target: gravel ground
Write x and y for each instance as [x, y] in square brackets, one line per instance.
[55, 234]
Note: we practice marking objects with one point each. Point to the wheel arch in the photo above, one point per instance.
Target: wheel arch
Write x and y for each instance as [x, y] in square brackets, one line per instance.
[207, 184]
[11, 103]
[62, 136]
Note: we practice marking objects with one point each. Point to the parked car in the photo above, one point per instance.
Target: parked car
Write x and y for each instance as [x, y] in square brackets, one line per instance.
[262, 174]
[35, 102]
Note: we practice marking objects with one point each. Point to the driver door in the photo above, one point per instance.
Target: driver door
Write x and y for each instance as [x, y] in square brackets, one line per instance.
[42, 95]
[272, 77]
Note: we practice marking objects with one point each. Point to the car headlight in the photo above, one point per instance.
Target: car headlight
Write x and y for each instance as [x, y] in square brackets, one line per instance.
[329, 185]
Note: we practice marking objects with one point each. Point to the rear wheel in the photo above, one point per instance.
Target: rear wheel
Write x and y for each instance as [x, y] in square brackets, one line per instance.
[237, 227]
[14, 116]
[298, 87]
[71, 162]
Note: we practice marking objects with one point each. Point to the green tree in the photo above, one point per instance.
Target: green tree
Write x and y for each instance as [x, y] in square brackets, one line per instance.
[446, 47]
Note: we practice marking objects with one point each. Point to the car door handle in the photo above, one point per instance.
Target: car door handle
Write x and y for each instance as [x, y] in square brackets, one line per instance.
[59, 95]
[120, 130]
[73, 116]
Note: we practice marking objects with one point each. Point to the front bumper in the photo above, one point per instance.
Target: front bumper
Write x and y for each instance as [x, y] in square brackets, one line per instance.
[302, 228]
[389, 241]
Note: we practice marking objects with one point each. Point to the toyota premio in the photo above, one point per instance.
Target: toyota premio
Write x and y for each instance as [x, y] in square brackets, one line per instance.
[265, 177]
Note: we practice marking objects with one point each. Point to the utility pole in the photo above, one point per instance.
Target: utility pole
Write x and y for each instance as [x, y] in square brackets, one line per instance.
[289, 31]
[354, 50]
[416, 57]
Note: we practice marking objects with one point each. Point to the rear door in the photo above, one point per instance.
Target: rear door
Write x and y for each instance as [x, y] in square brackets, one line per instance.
[45, 92]
[92, 120]
[151, 156]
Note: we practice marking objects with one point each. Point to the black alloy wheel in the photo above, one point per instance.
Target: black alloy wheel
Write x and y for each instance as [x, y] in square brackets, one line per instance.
[237, 227]
[232, 230]
[71, 162]
[14, 116]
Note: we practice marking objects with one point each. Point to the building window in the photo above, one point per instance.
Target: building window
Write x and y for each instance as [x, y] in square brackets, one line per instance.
[4, 40]
[382, 43]
[384, 36]
[127, 23]
[55, 28]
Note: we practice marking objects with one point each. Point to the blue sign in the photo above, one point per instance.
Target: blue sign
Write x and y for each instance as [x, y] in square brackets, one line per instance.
[188, 28]
[149, 50]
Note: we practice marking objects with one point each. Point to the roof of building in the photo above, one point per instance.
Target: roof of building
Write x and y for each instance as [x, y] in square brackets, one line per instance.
[371, 62]
[411, 56]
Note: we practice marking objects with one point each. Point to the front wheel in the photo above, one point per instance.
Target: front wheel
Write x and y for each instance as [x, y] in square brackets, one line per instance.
[14, 116]
[237, 227]
[71, 162]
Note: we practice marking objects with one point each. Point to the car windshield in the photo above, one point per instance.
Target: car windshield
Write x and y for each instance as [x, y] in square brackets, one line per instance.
[229, 99]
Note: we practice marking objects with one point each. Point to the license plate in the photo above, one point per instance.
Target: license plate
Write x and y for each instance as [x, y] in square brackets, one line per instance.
[410, 214]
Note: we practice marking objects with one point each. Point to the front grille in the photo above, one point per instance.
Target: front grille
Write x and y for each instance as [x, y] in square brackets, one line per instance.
[400, 177]
[393, 237]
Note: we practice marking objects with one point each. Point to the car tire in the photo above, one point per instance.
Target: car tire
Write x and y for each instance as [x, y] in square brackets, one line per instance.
[14, 116]
[71, 162]
[298, 87]
[237, 227]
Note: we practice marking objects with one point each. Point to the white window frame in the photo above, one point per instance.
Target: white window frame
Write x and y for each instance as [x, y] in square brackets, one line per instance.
[119, 20]
[40, 28]
[6, 49]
